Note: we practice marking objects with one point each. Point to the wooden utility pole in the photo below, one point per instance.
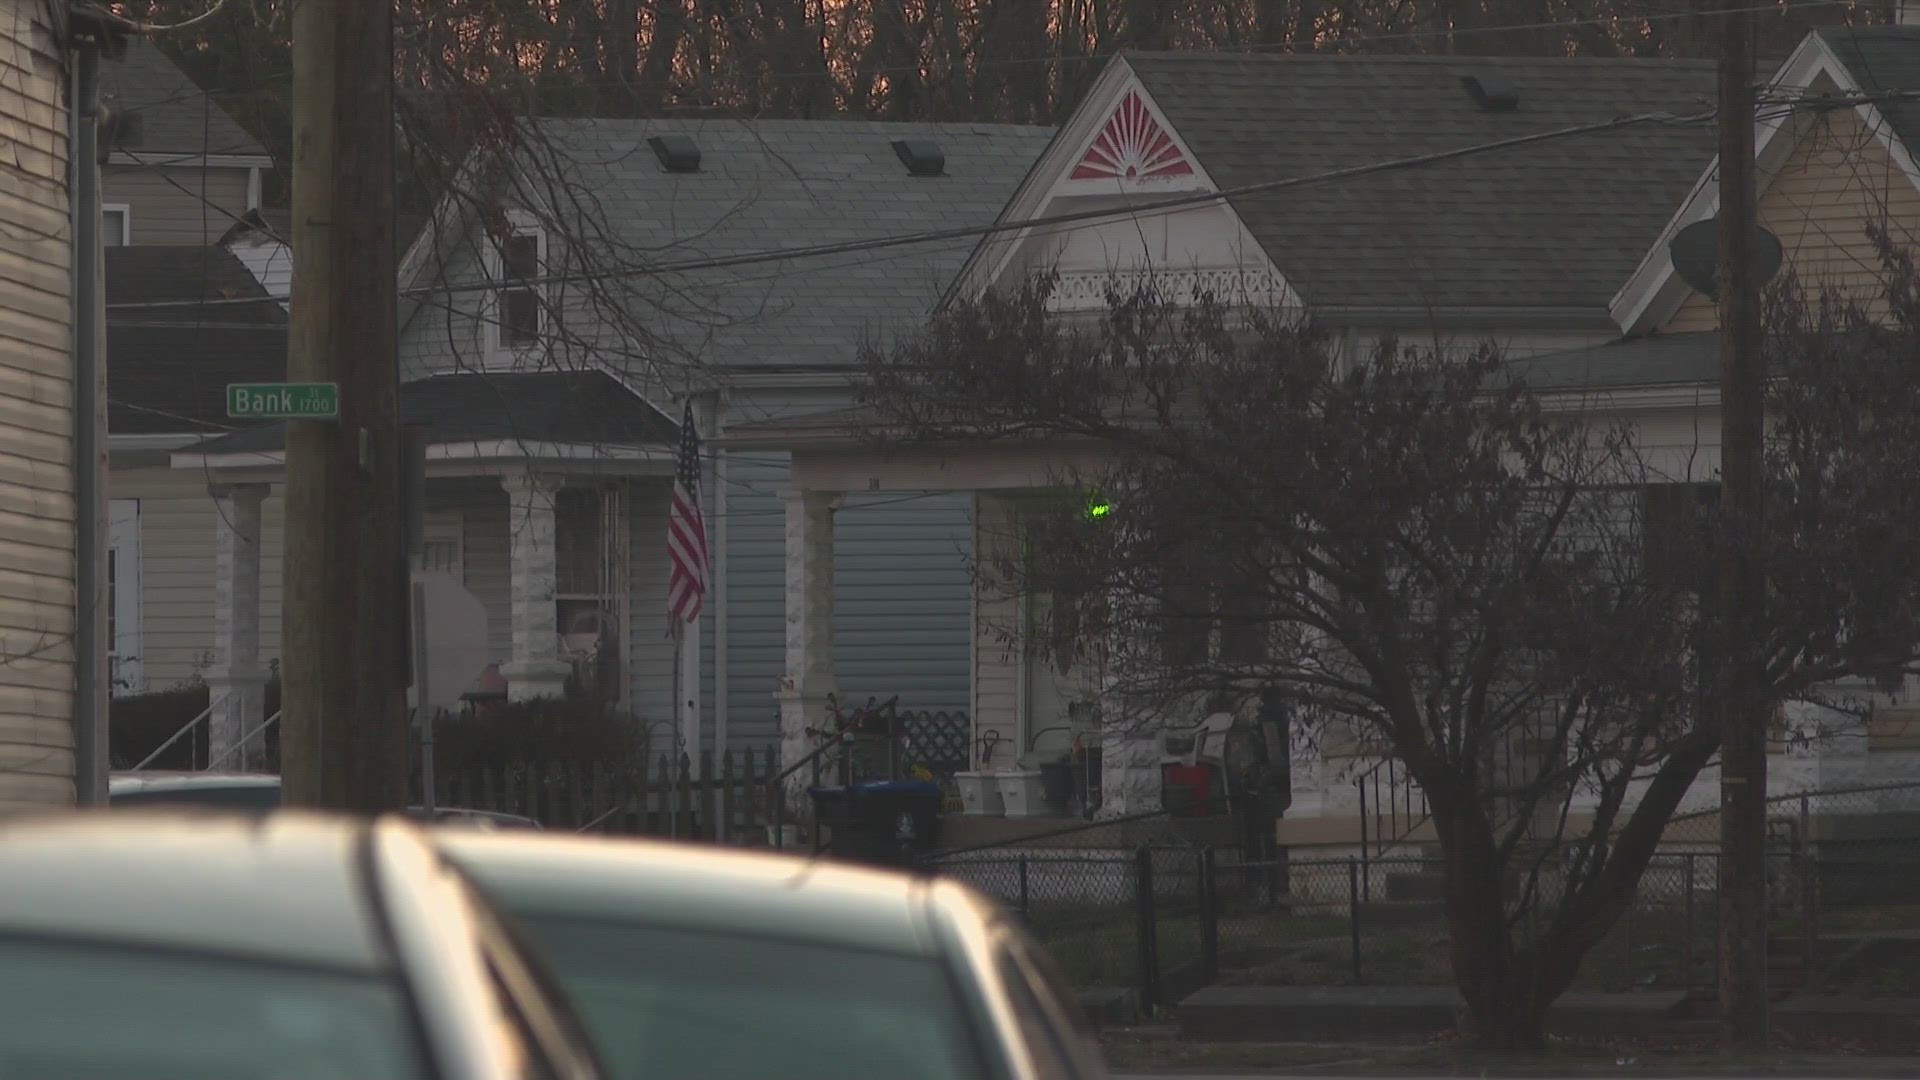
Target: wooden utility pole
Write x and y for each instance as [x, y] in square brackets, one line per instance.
[344, 647]
[1745, 707]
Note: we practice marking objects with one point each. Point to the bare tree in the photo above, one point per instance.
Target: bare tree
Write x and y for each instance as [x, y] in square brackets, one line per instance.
[1424, 558]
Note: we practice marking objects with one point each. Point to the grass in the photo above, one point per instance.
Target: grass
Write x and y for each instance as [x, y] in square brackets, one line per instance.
[1096, 946]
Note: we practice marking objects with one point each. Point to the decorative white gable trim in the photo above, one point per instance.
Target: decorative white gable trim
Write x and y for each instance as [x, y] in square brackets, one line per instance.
[1654, 292]
[1119, 145]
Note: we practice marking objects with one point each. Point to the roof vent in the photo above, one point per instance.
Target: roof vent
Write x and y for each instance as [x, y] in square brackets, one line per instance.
[922, 157]
[677, 153]
[1491, 93]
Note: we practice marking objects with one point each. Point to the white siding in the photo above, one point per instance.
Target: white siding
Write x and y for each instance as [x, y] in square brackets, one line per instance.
[179, 525]
[270, 262]
[36, 436]
[189, 206]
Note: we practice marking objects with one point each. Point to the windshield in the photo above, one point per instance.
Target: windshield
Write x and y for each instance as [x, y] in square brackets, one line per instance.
[87, 1012]
[665, 1004]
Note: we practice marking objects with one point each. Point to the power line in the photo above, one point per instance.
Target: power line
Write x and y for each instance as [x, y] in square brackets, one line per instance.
[1145, 209]
[1135, 211]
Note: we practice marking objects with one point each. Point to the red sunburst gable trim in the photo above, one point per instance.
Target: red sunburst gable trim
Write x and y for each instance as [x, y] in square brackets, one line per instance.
[1133, 146]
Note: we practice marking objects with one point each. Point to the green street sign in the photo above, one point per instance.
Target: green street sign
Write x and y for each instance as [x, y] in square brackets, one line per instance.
[283, 401]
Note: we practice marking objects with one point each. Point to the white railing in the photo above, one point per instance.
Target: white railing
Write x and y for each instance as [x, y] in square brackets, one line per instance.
[184, 728]
[243, 740]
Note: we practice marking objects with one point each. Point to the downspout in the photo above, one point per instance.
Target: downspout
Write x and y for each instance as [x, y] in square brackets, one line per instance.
[89, 657]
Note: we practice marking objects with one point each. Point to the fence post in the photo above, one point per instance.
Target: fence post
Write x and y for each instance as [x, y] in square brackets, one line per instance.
[1809, 928]
[1365, 847]
[1353, 915]
[1209, 920]
[1686, 947]
[1025, 908]
[1144, 934]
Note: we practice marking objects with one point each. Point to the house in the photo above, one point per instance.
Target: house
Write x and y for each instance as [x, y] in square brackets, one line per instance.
[37, 479]
[181, 170]
[179, 329]
[549, 346]
[1556, 249]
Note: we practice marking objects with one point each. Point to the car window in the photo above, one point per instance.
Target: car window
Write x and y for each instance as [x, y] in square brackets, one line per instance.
[1051, 988]
[554, 1045]
[87, 1012]
[667, 1004]
[1049, 1043]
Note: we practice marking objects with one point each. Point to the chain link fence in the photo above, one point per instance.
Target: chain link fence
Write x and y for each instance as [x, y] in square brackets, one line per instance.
[1163, 918]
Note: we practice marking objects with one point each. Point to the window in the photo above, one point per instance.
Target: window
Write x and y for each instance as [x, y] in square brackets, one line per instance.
[116, 225]
[1045, 1031]
[441, 549]
[668, 1003]
[80, 1010]
[520, 305]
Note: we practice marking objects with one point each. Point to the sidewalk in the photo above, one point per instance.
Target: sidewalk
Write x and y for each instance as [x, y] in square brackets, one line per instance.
[1151, 1056]
[1283, 1014]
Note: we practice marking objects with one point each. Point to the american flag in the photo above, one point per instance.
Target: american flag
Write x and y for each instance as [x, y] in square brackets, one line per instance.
[687, 531]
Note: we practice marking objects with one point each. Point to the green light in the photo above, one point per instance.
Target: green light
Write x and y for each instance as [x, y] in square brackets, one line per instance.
[1099, 509]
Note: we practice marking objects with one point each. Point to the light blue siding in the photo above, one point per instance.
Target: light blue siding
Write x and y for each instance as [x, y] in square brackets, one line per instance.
[902, 589]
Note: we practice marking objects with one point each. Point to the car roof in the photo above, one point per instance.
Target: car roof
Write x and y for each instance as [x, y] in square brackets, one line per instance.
[286, 888]
[702, 888]
[129, 782]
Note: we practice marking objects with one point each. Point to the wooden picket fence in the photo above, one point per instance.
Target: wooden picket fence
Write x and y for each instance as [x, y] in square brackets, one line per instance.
[724, 801]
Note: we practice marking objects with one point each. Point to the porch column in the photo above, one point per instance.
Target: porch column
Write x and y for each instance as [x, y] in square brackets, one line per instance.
[536, 670]
[809, 639]
[236, 683]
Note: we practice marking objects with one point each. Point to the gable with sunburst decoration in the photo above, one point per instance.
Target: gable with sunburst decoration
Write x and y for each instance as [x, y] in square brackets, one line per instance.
[1132, 146]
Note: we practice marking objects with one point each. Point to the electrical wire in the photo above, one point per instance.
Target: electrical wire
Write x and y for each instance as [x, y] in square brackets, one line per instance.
[1150, 208]
[134, 26]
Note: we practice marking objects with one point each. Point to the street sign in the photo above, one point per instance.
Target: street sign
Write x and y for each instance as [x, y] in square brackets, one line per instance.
[283, 401]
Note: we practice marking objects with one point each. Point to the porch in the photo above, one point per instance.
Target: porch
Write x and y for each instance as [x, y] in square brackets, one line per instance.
[544, 523]
[1035, 744]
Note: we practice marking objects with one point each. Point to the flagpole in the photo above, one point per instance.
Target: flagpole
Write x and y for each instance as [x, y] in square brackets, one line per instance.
[676, 630]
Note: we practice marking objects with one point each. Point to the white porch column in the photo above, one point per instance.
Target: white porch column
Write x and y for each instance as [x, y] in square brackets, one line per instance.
[809, 601]
[536, 670]
[236, 682]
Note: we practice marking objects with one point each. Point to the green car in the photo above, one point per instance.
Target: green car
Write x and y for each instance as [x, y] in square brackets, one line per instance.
[697, 963]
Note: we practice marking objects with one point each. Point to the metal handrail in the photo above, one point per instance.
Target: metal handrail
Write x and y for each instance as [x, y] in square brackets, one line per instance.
[243, 740]
[1396, 811]
[175, 737]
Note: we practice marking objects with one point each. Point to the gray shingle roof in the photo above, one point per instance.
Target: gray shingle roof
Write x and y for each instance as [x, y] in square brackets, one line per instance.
[785, 183]
[170, 378]
[174, 117]
[156, 273]
[1883, 58]
[1559, 223]
[584, 407]
[168, 367]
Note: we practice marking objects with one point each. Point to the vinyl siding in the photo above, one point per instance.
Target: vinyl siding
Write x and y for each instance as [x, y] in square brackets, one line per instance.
[901, 591]
[1839, 180]
[179, 531]
[176, 205]
[36, 437]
